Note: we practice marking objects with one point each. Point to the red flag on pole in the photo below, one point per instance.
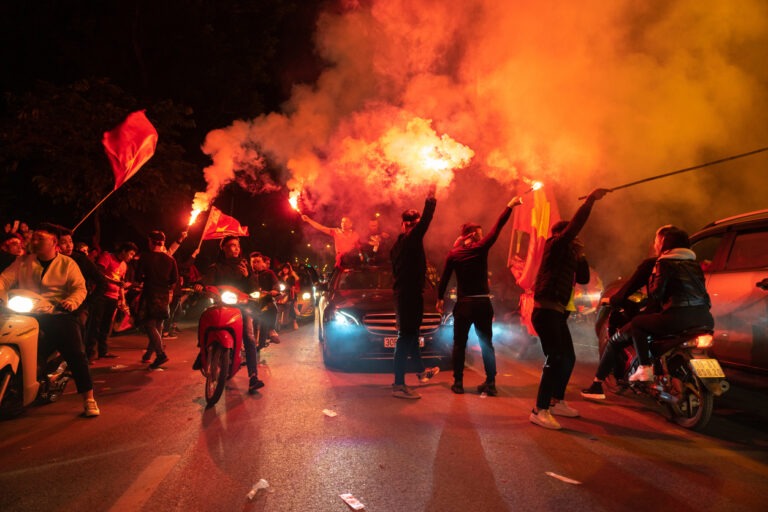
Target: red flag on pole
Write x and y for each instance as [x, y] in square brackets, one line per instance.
[219, 225]
[129, 146]
[530, 226]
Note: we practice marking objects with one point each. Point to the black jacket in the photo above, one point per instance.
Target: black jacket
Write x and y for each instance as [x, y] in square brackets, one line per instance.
[409, 261]
[677, 283]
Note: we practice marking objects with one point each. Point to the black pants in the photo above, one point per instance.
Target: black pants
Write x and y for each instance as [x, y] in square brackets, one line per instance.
[669, 321]
[477, 311]
[62, 332]
[557, 344]
[100, 325]
[409, 308]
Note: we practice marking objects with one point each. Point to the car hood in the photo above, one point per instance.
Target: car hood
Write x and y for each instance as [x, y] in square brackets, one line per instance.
[372, 301]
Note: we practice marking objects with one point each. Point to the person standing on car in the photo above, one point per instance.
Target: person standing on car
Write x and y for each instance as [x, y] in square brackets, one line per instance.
[158, 273]
[469, 259]
[346, 241]
[552, 292]
[58, 279]
[409, 269]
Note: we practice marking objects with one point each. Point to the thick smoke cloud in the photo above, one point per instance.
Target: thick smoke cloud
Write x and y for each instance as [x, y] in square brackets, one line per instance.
[577, 95]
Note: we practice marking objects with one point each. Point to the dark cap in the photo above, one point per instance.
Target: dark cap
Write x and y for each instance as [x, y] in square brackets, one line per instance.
[411, 215]
[157, 236]
[11, 236]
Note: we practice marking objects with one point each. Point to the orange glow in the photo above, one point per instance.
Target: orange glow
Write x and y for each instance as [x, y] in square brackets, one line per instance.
[193, 216]
[200, 203]
[293, 198]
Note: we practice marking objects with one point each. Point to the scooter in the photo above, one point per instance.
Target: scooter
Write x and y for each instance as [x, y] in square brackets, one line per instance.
[686, 379]
[220, 337]
[24, 378]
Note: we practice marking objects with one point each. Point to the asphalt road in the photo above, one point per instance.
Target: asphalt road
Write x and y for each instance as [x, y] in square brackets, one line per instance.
[156, 447]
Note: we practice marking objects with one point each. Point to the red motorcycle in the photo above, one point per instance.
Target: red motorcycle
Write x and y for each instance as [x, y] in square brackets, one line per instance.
[220, 337]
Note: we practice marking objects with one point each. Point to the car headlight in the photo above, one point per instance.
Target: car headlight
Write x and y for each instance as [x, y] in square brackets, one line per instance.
[229, 297]
[306, 296]
[21, 304]
[341, 318]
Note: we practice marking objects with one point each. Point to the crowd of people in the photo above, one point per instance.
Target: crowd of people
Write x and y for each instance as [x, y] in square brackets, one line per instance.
[91, 288]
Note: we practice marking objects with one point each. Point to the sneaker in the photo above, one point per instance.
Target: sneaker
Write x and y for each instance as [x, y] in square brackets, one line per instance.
[274, 337]
[489, 388]
[543, 418]
[170, 336]
[158, 362]
[427, 374]
[254, 384]
[642, 374]
[563, 409]
[594, 391]
[147, 357]
[404, 392]
[458, 388]
[90, 408]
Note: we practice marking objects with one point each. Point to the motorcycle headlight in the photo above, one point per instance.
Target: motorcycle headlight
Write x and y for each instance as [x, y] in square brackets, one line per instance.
[21, 304]
[306, 296]
[255, 295]
[282, 287]
[229, 298]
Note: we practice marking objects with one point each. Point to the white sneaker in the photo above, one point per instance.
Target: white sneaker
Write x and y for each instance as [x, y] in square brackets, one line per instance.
[563, 409]
[543, 418]
[642, 374]
[90, 409]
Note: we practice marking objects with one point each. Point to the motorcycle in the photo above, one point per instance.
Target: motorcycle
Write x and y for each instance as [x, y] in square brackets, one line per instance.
[220, 337]
[24, 378]
[686, 379]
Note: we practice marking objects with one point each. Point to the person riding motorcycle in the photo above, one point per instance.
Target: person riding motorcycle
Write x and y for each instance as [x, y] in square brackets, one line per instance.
[677, 300]
[264, 281]
[232, 270]
[57, 279]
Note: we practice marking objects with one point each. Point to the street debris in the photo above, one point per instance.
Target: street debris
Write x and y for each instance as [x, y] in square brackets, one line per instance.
[261, 484]
[563, 478]
[118, 366]
[329, 413]
[353, 502]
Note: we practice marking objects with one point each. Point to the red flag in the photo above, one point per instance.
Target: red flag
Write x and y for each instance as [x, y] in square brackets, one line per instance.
[530, 227]
[219, 225]
[129, 146]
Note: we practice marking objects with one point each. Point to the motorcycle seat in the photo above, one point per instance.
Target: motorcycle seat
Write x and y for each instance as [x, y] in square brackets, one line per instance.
[663, 343]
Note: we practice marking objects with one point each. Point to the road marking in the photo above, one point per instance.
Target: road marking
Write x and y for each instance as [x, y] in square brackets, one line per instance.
[145, 484]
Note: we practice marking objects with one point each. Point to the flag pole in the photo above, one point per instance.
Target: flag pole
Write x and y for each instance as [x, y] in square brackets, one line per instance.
[93, 210]
[734, 157]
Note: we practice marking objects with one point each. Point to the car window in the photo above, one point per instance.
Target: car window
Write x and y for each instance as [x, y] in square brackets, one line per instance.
[705, 250]
[750, 250]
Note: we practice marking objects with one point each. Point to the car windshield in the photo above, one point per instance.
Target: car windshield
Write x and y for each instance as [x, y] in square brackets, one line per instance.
[365, 279]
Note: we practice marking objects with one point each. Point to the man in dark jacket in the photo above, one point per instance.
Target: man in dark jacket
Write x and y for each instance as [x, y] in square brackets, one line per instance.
[469, 258]
[552, 292]
[409, 269]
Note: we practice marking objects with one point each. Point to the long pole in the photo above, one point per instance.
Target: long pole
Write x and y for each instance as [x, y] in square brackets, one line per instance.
[92, 210]
[714, 162]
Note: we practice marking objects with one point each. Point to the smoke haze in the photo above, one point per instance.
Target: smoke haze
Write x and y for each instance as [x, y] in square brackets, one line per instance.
[483, 96]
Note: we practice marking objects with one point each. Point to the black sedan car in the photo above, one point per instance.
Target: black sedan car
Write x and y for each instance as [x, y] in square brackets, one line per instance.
[357, 319]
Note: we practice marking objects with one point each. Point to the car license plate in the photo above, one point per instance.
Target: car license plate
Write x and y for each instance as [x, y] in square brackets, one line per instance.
[707, 368]
[391, 341]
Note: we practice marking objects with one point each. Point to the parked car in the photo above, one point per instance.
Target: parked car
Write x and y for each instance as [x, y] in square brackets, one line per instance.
[357, 319]
[733, 253]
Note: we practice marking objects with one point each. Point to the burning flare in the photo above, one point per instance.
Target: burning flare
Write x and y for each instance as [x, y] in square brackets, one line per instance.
[535, 185]
[293, 198]
[200, 204]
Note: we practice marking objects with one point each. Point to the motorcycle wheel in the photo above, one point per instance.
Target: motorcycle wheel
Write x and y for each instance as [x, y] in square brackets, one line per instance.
[11, 400]
[695, 402]
[216, 373]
